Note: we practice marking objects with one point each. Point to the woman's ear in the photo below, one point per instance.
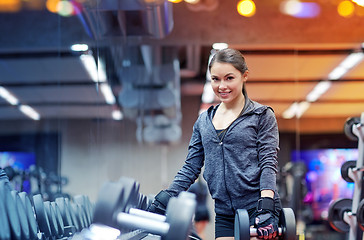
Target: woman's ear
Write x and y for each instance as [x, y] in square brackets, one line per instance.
[245, 75]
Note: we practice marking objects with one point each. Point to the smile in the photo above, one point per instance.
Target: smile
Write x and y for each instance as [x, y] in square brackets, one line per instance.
[224, 94]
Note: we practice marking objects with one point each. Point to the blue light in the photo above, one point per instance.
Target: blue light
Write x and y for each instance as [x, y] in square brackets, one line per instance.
[308, 10]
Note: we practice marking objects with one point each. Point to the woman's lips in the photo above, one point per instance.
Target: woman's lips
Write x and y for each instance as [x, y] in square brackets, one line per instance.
[224, 94]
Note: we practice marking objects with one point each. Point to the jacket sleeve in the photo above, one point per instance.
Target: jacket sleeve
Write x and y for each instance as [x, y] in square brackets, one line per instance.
[268, 147]
[192, 166]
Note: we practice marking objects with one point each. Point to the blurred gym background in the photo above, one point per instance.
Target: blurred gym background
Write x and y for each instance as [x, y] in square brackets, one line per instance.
[92, 90]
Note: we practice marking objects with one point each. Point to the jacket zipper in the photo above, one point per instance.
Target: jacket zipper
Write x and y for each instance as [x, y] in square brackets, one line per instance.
[223, 161]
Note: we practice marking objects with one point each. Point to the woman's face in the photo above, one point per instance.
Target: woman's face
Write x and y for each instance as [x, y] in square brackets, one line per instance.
[227, 82]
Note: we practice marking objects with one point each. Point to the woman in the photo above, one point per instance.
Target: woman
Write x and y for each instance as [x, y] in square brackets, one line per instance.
[237, 141]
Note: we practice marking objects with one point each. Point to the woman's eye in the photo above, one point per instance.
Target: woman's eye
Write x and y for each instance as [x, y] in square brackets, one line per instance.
[230, 78]
[214, 79]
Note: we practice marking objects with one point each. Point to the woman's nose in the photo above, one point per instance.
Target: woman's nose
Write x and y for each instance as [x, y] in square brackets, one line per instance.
[222, 85]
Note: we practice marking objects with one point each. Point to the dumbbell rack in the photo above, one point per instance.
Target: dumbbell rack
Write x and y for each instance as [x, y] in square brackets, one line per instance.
[29, 217]
[348, 214]
[356, 233]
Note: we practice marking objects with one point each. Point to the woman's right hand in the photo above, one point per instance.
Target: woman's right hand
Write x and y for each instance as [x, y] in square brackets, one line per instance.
[160, 202]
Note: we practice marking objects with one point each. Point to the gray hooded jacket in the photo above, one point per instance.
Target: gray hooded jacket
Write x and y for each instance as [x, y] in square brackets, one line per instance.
[237, 167]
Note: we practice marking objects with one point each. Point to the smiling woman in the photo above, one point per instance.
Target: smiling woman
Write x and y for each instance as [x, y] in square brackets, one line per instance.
[125, 102]
[237, 143]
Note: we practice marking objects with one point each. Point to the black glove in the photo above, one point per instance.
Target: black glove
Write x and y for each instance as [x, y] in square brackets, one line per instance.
[160, 202]
[267, 219]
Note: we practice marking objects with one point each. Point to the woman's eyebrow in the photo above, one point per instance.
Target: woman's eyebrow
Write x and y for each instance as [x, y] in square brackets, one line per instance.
[213, 75]
[228, 74]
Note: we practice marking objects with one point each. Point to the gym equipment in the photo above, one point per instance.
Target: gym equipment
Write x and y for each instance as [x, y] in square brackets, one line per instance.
[32, 223]
[52, 218]
[143, 202]
[85, 204]
[23, 220]
[41, 216]
[344, 213]
[286, 230]
[79, 215]
[69, 228]
[5, 228]
[60, 224]
[73, 215]
[11, 211]
[115, 208]
[348, 128]
[345, 170]
[360, 215]
[336, 215]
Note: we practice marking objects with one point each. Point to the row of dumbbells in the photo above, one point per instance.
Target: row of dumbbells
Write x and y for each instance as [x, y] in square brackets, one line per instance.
[121, 213]
[24, 217]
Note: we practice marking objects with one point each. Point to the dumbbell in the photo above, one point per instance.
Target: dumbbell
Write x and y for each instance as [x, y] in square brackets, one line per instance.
[5, 219]
[341, 207]
[286, 229]
[33, 225]
[23, 220]
[360, 215]
[69, 228]
[44, 222]
[345, 174]
[336, 215]
[115, 208]
[348, 128]
[85, 204]
[17, 219]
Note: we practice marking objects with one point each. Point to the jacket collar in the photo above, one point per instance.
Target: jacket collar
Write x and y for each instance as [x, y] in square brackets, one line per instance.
[250, 107]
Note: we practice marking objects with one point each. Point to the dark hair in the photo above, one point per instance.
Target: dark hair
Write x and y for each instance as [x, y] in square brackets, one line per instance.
[232, 56]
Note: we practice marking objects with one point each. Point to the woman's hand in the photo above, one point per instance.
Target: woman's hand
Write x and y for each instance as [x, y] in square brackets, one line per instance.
[267, 225]
[267, 219]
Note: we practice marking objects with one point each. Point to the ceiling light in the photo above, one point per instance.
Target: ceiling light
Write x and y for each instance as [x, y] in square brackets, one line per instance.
[296, 110]
[290, 112]
[192, 1]
[359, 2]
[337, 73]
[349, 62]
[101, 71]
[291, 7]
[52, 5]
[117, 115]
[8, 96]
[79, 47]
[65, 8]
[346, 8]
[97, 73]
[246, 8]
[302, 107]
[318, 90]
[108, 94]
[30, 112]
[299, 9]
[352, 60]
[220, 46]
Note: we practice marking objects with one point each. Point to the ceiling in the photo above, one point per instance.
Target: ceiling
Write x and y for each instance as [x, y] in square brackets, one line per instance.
[286, 57]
